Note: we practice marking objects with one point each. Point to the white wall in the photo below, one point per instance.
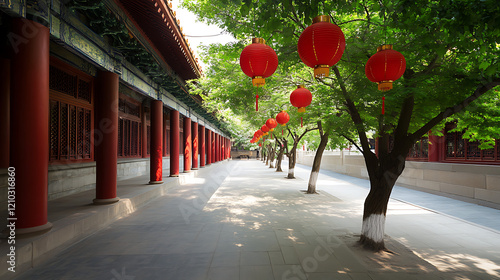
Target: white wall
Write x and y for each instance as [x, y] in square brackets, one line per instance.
[475, 181]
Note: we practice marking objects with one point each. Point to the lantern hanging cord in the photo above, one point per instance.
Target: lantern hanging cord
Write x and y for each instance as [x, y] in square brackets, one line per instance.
[257, 99]
[383, 105]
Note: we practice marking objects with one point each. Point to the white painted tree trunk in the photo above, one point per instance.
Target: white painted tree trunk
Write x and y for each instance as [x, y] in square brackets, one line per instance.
[313, 178]
[373, 229]
[291, 172]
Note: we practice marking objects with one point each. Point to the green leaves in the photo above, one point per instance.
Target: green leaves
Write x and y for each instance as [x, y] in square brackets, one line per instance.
[451, 49]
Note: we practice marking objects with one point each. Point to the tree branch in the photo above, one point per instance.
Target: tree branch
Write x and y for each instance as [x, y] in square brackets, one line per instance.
[482, 89]
[353, 112]
[353, 142]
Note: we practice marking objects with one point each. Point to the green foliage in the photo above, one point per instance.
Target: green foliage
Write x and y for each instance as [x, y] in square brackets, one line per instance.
[451, 49]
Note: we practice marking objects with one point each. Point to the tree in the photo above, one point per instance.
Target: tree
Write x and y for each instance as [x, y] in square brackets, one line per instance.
[311, 186]
[292, 153]
[452, 53]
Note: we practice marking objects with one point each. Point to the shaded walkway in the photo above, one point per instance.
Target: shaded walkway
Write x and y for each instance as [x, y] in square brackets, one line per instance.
[256, 225]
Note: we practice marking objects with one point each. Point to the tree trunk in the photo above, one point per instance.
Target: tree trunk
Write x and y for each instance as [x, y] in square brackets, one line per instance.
[280, 158]
[268, 154]
[291, 162]
[271, 156]
[383, 175]
[311, 187]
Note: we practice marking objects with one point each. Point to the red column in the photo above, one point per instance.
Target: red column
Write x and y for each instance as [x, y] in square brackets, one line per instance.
[29, 115]
[213, 146]
[106, 136]
[217, 150]
[156, 156]
[187, 144]
[435, 142]
[164, 137]
[174, 143]
[202, 145]
[144, 132]
[194, 131]
[223, 150]
[4, 111]
[209, 147]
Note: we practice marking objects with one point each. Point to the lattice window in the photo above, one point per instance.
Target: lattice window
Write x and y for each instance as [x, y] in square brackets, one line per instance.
[458, 148]
[64, 129]
[130, 136]
[420, 149]
[63, 82]
[54, 130]
[70, 113]
[120, 137]
[84, 91]
[149, 139]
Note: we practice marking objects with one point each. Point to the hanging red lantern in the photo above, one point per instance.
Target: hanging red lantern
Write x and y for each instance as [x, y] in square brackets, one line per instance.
[384, 67]
[258, 61]
[265, 129]
[271, 123]
[301, 98]
[257, 135]
[282, 118]
[321, 45]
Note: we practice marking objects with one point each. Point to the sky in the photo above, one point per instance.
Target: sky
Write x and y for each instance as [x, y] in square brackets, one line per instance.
[193, 27]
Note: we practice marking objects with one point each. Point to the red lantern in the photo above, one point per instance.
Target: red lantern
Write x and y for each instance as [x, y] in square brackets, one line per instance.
[258, 61]
[265, 129]
[384, 67]
[271, 123]
[282, 118]
[301, 98]
[257, 135]
[321, 45]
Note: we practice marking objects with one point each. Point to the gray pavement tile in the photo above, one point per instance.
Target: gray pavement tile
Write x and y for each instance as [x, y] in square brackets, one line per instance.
[225, 259]
[256, 272]
[224, 272]
[276, 258]
[254, 258]
[290, 255]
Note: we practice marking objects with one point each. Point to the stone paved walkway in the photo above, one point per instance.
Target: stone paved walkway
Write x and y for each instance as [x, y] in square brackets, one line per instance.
[255, 224]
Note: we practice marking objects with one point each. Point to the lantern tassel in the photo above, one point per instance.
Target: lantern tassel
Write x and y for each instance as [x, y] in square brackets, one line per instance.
[301, 125]
[257, 99]
[257, 103]
[282, 132]
[383, 105]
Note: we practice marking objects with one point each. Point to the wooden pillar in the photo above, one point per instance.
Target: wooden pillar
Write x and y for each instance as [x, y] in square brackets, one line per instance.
[202, 145]
[217, 150]
[435, 148]
[194, 132]
[29, 116]
[144, 133]
[156, 156]
[187, 144]
[106, 141]
[213, 147]
[209, 147]
[174, 143]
